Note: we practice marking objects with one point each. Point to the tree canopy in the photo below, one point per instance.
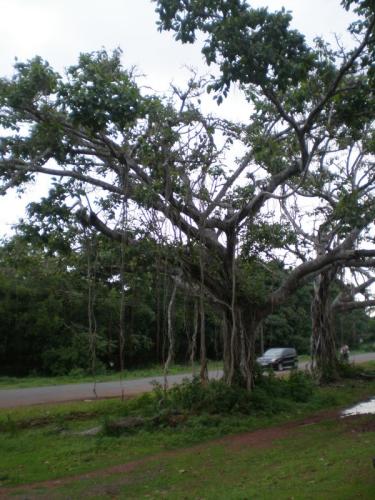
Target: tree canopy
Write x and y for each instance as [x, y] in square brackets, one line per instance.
[136, 166]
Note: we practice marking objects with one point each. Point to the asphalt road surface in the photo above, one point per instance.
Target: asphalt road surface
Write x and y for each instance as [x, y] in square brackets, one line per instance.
[10, 398]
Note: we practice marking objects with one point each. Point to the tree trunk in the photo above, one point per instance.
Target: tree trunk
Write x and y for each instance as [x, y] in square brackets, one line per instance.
[324, 360]
[203, 353]
[194, 336]
[171, 333]
[158, 318]
[239, 348]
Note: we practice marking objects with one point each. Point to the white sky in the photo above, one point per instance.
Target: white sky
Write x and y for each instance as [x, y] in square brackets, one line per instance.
[58, 30]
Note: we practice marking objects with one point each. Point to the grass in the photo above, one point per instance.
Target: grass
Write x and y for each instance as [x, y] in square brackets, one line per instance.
[152, 371]
[327, 460]
[40, 443]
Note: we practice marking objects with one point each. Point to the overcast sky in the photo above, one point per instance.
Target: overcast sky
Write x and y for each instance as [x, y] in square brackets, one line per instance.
[58, 30]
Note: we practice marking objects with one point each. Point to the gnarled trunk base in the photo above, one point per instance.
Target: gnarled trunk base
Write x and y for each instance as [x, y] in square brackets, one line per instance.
[324, 362]
[239, 332]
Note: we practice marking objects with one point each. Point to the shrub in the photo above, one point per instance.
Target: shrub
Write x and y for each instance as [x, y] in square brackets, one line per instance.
[192, 403]
[193, 397]
[270, 395]
[301, 386]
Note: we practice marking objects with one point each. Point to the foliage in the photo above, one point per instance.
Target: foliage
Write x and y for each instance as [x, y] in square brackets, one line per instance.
[44, 290]
[235, 38]
[356, 329]
[270, 395]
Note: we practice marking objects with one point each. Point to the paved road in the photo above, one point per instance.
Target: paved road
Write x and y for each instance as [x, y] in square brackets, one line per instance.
[78, 392]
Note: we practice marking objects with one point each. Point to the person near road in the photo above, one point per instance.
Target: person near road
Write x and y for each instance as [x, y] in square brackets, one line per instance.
[344, 353]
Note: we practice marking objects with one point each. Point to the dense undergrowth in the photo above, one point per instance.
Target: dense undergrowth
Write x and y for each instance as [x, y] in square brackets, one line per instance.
[269, 395]
[188, 402]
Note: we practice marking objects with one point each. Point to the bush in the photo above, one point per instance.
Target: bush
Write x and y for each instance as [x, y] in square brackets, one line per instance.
[194, 404]
[191, 396]
[270, 395]
[301, 387]
[264, 402]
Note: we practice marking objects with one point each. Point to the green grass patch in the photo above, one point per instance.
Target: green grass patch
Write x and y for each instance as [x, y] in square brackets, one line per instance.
[304, 357]
[327, 460]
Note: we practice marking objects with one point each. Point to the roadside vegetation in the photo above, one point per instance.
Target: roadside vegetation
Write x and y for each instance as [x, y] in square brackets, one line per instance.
[55, 441]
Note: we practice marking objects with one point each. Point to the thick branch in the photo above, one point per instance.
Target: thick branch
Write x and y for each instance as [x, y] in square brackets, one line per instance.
[256, 203]
[23, 166]
[352, 305]
[307, 270]
[215, 202]
[91, 219]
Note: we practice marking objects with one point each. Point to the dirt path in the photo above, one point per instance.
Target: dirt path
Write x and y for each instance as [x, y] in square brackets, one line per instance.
[261, 438]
